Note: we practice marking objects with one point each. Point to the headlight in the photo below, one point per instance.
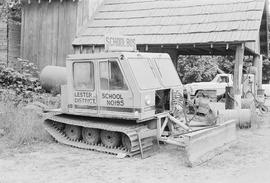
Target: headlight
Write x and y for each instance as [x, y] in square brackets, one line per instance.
[147, 100]
[136, 113]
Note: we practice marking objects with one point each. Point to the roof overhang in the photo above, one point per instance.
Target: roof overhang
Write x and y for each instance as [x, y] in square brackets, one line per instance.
[200, 49]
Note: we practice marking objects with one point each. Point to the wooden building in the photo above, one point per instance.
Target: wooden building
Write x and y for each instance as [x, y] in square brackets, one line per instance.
[3, 42]
[10, 33]
[185, 27]
[50, 26]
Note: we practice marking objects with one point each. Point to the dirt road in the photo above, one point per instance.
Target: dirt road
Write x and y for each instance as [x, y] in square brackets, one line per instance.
[246, 161]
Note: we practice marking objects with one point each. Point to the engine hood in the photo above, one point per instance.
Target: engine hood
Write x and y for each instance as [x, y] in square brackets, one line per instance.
[201, 84]
[193, 87]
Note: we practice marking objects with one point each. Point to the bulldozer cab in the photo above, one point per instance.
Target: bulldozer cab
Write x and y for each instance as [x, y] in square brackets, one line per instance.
[127, 85]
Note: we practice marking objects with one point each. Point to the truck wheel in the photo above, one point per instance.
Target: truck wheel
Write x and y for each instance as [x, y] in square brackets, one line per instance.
[91, 135]
[73, 132]
[110, 138]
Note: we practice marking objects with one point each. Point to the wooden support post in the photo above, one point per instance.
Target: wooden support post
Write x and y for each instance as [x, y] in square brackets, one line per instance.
[238, 70]
[258, 64]
[260, 72]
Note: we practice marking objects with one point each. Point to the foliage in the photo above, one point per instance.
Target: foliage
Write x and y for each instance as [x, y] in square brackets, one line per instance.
[20, 86]
[226, 63]
[10, 9]
[202, 68]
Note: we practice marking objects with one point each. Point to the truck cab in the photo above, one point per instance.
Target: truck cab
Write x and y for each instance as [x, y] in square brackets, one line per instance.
[126, 85]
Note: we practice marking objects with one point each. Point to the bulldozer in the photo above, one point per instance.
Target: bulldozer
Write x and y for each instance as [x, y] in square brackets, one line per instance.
[110, 96]
[122, 102]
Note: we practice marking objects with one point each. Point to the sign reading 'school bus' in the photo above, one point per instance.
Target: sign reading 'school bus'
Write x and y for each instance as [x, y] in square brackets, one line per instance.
[119, 43]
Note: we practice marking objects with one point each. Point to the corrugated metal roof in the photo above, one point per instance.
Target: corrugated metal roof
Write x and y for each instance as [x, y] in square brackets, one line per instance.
[176, 21]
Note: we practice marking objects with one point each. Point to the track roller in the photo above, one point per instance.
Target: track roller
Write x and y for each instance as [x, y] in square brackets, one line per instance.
[91, 135]
[73, 132]
[110, 138]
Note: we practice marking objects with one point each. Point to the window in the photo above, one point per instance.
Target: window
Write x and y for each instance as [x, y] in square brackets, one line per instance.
[83, 75]
[143, 73]
[167, 72]
[111, 77]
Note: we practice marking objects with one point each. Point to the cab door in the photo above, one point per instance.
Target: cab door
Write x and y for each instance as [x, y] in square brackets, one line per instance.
[114, 92]
[84, 88]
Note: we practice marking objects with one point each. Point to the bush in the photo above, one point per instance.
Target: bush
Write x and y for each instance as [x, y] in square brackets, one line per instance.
[21, 124]
[19, 86]
[196, 68]
[20, 82]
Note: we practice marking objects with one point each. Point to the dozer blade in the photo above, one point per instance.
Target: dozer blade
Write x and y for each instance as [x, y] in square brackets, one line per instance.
[203, 145]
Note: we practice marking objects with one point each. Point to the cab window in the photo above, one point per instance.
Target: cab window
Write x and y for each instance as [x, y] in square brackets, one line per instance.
[144, 73]
[223, 79]
[167, 72]
[111, 77]
[83, 74]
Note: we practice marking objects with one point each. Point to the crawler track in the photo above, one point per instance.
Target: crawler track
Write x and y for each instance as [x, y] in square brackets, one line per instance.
[130, 130]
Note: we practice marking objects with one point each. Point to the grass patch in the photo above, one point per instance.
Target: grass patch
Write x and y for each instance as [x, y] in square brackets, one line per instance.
[22, 127]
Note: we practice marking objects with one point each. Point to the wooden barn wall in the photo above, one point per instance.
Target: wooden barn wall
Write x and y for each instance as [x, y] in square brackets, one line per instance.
[14, 39]
[88, 49]
[82, 15]
[3, 42]
[86, 9]
[47, 31]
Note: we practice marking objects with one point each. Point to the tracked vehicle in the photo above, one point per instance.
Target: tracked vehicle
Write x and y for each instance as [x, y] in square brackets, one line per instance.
[110, 97]
[120, 100]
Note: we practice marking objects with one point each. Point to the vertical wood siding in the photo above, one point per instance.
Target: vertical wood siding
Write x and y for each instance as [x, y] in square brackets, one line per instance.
[10, 42]
[47, 32]
[14, 39]
[86, 9]
[3, 42]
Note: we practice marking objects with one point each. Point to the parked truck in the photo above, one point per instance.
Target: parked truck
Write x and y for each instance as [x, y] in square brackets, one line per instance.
[219, 84]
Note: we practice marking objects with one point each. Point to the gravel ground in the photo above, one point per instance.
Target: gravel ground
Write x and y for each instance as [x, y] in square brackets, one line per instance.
[246, 161]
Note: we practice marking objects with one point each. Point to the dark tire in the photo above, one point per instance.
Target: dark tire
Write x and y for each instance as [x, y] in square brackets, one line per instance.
[110, 138]
[126, 142]
[73, 132]
[91, 135]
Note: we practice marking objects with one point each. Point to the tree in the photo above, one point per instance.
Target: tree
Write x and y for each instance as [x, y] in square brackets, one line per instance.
[202, 68]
